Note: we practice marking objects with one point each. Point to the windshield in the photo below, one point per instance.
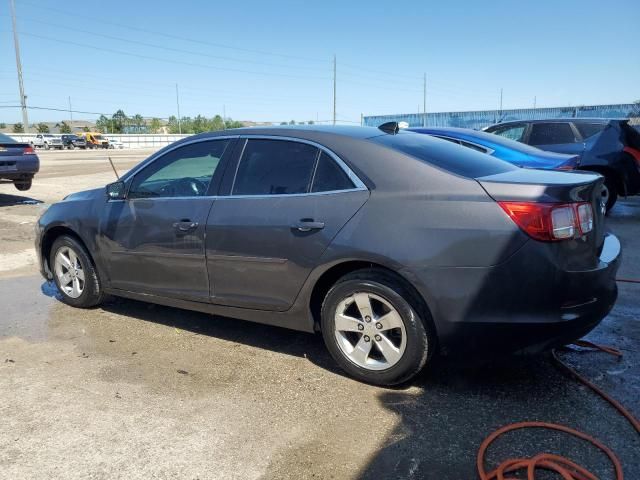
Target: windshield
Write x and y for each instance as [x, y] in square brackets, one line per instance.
[446, 155]
[98, 137]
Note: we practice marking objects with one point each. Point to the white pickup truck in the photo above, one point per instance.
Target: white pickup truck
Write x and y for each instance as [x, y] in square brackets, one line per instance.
[47, 141]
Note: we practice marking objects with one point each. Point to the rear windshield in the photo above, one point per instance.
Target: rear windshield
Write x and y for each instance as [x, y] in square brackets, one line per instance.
[446, 155]
[6, 138]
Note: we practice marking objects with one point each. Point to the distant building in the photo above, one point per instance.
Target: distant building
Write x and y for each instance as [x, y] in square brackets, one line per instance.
[484, 118]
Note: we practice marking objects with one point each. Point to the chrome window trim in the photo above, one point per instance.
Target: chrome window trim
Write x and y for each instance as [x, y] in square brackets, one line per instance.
[358, 184]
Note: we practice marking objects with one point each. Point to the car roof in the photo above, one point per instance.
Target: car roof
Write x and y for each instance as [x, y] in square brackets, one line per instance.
[554, 120]
[302, 131]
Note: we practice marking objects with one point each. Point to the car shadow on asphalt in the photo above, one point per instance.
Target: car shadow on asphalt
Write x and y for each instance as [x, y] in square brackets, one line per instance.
[7, 200]
[281, 340]
[441, 427]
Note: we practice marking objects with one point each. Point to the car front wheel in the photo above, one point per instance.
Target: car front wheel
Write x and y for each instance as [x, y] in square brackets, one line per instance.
[372, 326]
[74, 273]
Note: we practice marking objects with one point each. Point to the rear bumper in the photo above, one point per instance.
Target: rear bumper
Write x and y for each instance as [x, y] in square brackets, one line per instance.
[19, 167]
[526, 304]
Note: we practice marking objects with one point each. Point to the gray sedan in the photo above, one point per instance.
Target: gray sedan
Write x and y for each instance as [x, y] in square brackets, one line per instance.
[394, 245]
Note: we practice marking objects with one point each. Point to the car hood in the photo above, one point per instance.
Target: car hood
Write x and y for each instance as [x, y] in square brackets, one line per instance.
[85, 195]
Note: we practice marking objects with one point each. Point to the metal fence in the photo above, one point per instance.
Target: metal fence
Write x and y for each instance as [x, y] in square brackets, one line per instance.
[128, 140]
[484, 118]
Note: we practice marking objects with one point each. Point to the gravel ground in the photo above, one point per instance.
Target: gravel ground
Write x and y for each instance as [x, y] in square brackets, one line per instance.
[132, 390]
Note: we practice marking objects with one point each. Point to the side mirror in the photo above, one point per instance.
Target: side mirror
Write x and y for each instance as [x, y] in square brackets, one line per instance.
[116, 191]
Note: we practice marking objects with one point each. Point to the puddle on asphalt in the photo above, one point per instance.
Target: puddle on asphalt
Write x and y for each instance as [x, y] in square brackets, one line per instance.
[27, 304]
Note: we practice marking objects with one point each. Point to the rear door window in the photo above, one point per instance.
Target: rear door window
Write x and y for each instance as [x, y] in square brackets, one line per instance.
[551, 134]
[589, 129]
[275, 167]
[460, 161]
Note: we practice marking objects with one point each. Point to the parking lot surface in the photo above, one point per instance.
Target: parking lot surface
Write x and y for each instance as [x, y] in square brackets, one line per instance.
[133, 390]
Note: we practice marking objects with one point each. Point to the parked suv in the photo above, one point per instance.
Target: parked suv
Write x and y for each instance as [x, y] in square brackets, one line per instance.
[47, 141]
[609, 147]
[73, 141]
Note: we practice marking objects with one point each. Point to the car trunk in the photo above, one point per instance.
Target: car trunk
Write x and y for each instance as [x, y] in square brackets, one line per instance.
[542, 186]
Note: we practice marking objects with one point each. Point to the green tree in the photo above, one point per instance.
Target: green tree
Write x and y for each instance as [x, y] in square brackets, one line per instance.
[172, 124]
[200, 124]
[292, 122]
[118, 121]
[86, 129]
[155, 125]
[103, 123]
[64, 127]
[310, 122]
[42, 128]
[139, 122]
[283, 123]
[217, 123]
[3, 125]
[233, 124]
[18, 128]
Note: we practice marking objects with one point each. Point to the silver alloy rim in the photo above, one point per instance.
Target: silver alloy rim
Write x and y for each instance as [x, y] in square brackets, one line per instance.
[69, 272]
[370, 331]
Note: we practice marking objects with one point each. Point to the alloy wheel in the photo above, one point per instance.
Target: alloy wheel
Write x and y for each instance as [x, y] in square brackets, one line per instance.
[69, 272]
[369, 331]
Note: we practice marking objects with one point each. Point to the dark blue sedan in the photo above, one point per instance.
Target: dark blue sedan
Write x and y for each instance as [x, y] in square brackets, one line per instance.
[503, 148]
[18, 163]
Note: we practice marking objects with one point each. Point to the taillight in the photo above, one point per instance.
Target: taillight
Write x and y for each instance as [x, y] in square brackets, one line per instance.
[551, 221]
[28, 151]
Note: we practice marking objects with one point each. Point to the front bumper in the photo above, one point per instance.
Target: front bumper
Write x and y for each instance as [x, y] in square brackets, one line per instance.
[527, 304]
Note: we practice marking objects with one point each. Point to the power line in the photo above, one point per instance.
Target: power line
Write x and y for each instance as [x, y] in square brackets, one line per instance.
[159, 59]
[169, 35]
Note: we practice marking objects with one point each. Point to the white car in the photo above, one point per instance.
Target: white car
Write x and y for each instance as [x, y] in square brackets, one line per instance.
[115, 143]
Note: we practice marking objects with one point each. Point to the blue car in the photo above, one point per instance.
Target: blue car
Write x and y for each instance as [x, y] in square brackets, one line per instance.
[18, 163]
[503, 148]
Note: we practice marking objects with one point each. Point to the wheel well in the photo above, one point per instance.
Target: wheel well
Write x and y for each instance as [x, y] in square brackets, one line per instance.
[50, 237]
[331, 276]
[610, 173]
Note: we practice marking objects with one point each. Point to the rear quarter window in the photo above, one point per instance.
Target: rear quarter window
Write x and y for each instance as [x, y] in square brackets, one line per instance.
[445, 155]
[6, 138]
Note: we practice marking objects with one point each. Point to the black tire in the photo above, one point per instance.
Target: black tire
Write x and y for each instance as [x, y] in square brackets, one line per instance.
[72, 146]
[611, 186]
[92, 293]
[23, 185]
[46, 146]
[420, 339]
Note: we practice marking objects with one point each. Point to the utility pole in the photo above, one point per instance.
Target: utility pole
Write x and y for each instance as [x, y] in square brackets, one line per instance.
[362, 119]
[334, 89]
[178, 104]
[501, 104]
[424, 102]
[70, 111]
[16, 43]
[224, 113]
[534, 102]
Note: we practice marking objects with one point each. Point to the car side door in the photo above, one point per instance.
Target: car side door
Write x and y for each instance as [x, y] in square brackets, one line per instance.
[155, 239]
[286, 202]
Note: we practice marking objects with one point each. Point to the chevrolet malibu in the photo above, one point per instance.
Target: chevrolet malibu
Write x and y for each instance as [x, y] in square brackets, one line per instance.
[394, 245]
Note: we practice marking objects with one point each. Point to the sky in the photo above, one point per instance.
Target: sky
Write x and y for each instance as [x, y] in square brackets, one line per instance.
[273, 61]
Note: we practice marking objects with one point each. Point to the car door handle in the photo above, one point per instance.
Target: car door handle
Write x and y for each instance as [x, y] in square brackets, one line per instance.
[185, 225]
[305, 225]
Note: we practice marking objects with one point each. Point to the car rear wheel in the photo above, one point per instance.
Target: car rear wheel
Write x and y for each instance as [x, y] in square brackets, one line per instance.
[23, 185]
[74, 273]
[46, 146]
[372, 326]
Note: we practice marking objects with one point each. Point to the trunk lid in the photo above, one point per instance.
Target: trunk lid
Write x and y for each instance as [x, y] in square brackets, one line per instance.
[548, 186]
[12, 149]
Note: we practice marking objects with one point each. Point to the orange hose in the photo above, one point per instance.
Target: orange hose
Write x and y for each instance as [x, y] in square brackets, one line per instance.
[567, 469]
